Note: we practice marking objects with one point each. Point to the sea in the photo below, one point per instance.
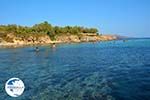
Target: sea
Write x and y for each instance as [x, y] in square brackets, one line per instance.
[108, 70]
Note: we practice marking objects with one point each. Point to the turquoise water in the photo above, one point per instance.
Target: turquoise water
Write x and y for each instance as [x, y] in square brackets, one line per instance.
[114, 70]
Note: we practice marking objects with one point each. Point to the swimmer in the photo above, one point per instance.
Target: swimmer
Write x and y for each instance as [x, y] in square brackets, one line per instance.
[36, 49]
[53, 45]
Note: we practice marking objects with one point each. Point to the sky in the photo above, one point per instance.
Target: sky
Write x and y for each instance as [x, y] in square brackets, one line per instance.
[123, 17]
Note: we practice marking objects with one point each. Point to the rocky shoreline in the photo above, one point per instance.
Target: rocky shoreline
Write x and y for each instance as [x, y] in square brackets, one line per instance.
[42, 40]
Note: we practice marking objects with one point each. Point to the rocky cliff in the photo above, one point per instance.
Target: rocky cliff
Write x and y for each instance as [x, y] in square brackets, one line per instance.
[12, 39]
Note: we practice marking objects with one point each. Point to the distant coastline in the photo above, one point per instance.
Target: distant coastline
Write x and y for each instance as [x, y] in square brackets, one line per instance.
[45, 33]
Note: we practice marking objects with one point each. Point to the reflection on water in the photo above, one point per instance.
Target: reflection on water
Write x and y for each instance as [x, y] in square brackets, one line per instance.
[86, 71]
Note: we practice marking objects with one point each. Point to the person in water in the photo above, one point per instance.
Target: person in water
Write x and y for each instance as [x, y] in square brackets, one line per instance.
[36, 49]
[53, 45]
[124, 40]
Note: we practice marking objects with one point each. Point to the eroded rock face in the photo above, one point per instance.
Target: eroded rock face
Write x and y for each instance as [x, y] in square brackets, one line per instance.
[85, 38]
[62, 39]
[94, 37]
[1, 40]
[29, 40]
[89, 38]
[11, 39]
[44, 39]
[68, 38]
[40, 40]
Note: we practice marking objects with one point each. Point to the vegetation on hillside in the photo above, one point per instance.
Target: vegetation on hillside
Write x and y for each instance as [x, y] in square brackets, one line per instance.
[43, 29]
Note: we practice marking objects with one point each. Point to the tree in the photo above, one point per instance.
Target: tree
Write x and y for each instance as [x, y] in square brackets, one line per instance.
[51, 34]
[11, 28]
[42, 27]
[57, 30]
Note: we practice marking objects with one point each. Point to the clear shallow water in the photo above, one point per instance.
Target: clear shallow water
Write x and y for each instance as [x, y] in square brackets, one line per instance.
[87, 71]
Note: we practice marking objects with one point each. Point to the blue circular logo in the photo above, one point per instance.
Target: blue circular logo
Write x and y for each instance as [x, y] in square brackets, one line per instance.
[14, 87]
